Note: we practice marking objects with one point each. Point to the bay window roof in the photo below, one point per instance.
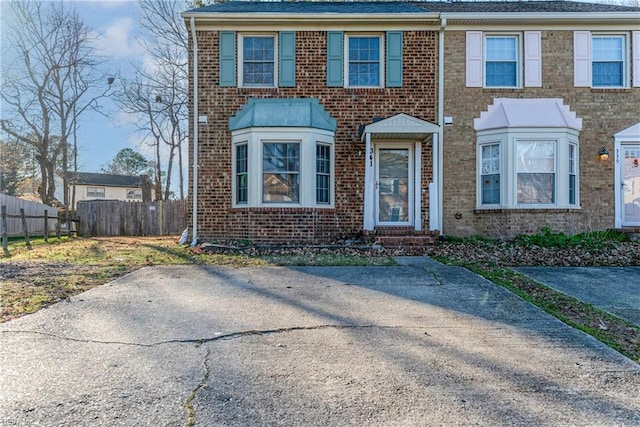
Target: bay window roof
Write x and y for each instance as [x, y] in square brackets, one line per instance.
[283, 112]
[527, 113]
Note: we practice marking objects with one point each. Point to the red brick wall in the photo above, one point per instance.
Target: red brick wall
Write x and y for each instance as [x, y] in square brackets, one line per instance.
[604, 113]
[351, 107]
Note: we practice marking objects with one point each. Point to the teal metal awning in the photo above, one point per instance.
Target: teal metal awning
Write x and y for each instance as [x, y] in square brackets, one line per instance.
[283, 112]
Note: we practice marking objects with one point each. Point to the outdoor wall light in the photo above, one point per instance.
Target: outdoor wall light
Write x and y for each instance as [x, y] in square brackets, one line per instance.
[603, 154]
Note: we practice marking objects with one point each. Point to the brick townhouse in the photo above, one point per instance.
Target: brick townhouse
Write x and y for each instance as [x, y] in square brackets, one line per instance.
[315, 121]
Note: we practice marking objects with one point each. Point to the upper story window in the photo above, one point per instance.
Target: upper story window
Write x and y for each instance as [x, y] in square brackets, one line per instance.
[258, 60]
[98, 192]
[603, 60]
[608, 61]
[364, 60]
[503, 60]
[371, 60]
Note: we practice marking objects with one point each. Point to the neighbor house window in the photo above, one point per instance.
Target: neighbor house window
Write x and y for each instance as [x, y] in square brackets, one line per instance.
[490, 174]
[281, 172]
[323, 173]
[364, 59]
[258, 60]
[502, 58]
[97, 192]
[242, 181]
[608, 60]
[134, 194]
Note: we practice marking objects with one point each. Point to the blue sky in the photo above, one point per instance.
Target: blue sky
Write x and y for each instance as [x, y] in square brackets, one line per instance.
[116, 36]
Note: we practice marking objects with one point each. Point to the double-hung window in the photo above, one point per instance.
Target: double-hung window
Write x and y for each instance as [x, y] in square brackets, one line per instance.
[536, 172]
[241, 173]
[490, 174]
[608, 60]
[97, 192]
[496, 60]
[573, 167]
[363, 60]
[501, 60]
[323, 173]
[281, 172]
[258, 61]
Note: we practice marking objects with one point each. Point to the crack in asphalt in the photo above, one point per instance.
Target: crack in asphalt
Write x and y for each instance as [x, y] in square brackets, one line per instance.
[200, 341]
[202, 384]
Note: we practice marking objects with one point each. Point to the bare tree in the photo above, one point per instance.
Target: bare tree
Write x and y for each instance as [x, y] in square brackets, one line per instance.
[167, 45]
[48, 85]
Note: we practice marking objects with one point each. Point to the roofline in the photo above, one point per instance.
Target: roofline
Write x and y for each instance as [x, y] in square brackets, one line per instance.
[453, 18]
[310, 18]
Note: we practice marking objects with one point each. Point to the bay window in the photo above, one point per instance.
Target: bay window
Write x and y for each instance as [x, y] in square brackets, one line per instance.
[527, 170]
[286, 167]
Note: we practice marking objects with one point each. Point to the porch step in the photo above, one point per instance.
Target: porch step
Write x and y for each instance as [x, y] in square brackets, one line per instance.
[408, 238]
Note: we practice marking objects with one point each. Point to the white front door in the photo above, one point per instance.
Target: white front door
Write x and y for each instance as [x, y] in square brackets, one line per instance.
[630, 185]
[394, 184]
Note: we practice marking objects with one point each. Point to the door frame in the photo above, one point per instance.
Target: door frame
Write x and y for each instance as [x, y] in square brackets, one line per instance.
[627, 137]
[620, 186]
[410, 180]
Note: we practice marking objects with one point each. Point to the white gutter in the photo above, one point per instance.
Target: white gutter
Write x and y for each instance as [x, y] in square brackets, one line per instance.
[543, 17]
[438, 157]
[194, 195]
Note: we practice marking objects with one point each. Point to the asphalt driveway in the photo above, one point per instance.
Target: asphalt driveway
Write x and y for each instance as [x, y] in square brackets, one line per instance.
[416, 344]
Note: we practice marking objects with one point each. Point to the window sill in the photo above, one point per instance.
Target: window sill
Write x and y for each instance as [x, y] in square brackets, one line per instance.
[526, 210]
[611, 89]
[282, 208]
[503, 89]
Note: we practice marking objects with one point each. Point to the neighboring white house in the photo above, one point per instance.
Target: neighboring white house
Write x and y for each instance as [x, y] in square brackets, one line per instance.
[102, 186]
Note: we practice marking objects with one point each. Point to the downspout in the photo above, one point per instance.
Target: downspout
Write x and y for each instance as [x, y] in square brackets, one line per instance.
[439, 157]
[194, 195]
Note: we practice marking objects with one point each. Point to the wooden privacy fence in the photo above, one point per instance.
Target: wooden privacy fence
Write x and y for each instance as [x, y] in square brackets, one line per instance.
[119, 218]
[24, 218]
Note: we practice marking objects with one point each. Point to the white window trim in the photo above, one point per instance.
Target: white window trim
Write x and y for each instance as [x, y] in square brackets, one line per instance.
[508, 139]
[382, 59]
[331, 174]
[308, 138]
[480, 174]
[519, 59]
[626, 58]
[240, 44]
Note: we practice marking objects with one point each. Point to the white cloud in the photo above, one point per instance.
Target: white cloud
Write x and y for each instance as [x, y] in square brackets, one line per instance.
[118, 39]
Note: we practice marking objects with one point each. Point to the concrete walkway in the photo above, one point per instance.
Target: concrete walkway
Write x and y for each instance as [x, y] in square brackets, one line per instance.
[612, 289]
[412, 345]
